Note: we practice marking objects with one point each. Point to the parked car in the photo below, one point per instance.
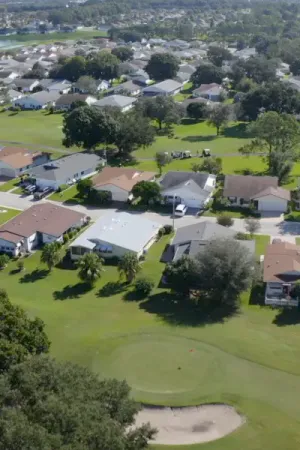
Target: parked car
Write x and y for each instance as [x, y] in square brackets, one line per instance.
[43, 193]
[30, 189]
[180, 210]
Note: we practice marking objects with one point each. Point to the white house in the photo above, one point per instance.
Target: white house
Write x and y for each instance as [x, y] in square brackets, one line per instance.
[122, 102]
[40, 224]
[165, 88]
[39, 100]
[67, 170]
[263, 193]
[115, 234]
[65, 101]
[189, 188]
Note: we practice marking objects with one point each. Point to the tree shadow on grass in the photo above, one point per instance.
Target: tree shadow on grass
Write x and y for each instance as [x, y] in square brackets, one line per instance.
[287, 316]
[206, 138]
[133, 296]
[71, 292]
[178, 311]
[237, 131]
[35, 275]
[111, 288]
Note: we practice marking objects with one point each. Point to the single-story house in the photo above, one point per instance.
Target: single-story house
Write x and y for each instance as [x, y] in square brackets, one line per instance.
[64, 102]
[166, 87]
[189, 188]
[115, 234]
[190, 240]
[141, 77]
[25, 84]
[38, 100]
[120, 181]
[281, 270]
[15, 161]
[66, 170]
[187, 68]
[210, 91]
[118, 101]
[101, 85]
[62, 87]
[40, 224]
[183, 77]
[8, 75]
[129, 87]
[262, 192]
[13, 95]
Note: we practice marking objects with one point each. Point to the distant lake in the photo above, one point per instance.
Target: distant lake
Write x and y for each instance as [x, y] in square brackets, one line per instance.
[9, 44]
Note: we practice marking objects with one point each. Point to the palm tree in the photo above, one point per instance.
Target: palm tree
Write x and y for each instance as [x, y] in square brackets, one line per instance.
[90, 268]
[51, 254]
[129, 266]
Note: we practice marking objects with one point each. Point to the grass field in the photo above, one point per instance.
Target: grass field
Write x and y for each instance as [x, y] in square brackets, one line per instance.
[249, 360]
[7, 214]
[54, 37]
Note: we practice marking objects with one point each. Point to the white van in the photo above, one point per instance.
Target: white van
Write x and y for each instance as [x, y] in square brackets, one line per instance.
[180, 210]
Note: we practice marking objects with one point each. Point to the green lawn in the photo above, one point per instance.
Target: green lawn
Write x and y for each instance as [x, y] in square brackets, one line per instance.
[32, 127]
[54, 37]
[64, 196]
[7, 214]
[10, 184]
[249, 360]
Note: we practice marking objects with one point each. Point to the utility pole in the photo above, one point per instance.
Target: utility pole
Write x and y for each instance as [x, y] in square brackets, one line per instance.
[174, 197]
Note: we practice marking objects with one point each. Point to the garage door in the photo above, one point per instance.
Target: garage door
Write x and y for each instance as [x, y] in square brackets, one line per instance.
[192, 203]
[272, 204]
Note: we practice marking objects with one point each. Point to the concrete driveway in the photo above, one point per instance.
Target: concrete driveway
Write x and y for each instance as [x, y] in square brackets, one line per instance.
[276, 227]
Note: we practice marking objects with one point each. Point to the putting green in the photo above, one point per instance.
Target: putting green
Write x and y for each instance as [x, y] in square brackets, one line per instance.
[157, 364]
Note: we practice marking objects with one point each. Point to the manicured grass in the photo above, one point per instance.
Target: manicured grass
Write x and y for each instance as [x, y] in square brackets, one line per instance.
[53, 37]
[10, 184]
[32, 127]
[7, 214]
[197, 136]
[248, 361]
[185, 93]
[66, 195]
[262, 241]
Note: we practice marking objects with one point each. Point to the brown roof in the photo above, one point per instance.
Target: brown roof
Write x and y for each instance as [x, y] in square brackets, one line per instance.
[282, 262]
[276, 192]
[44, 218]
[122, 177]
[247, 186]
[17, 157]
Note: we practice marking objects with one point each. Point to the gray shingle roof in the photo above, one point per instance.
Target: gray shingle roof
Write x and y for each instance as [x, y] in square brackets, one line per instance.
[247, 186]
[120, 101]
[164, 86]
[64, 168]
[174, 178]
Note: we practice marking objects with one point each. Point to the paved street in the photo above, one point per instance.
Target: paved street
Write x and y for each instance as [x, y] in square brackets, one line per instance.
[276, 227]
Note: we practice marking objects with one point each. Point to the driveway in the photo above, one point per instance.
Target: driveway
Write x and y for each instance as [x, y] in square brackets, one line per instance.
[276, 227]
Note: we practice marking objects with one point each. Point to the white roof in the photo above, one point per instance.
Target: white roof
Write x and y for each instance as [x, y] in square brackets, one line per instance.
[129, 231]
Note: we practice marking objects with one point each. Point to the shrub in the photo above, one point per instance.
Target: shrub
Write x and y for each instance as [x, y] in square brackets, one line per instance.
[225, 220]
[20, 265]
[4, 260]
[66, 238]
[168, 229]
[161, 232]
[143, 286]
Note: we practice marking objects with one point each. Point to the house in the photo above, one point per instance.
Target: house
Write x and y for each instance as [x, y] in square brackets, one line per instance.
[115, 234]
[40, 224]
[62, 87]
[8, 75]
[64, 102]
[189, 188]
[38, 100]
[120, 181]
[187, 68]
[210, 91]
[190, 240]
[118, 101]
[67, 170]
[25, 84]
[141, 77]
[13, 95]
[261, 192]
[183, 77]
[15, 161]
[281, 270]
[167, 87]
[101, 85]
[129, 88]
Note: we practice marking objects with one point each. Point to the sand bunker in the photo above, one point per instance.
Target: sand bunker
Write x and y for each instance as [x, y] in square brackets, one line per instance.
[191, 425]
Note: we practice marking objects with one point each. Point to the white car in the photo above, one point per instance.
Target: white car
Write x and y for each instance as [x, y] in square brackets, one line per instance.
[180, 210]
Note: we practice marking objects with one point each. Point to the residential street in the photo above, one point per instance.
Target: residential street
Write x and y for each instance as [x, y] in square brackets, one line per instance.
[273, 226]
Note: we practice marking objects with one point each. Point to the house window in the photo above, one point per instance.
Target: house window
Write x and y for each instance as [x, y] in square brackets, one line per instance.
[82, 173]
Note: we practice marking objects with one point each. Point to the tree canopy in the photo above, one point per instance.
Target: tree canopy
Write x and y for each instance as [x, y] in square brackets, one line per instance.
[162, 66]
[123, 53]
[162, 109]
[147, 191]
[217, 55]
[20, 336]
[60, 406]
[206, 74]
